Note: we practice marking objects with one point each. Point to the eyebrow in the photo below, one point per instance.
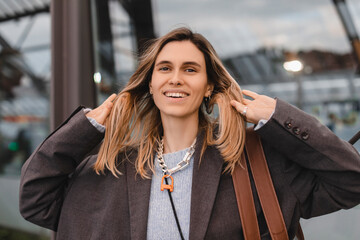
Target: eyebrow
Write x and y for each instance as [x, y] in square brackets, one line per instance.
[185, 63]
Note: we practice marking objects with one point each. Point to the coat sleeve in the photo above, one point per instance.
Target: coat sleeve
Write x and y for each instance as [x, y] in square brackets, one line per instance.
[45, 175]
[322, 170]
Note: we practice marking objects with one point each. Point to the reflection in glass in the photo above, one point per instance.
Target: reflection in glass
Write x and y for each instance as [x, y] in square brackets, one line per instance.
[24, 111]
[23, 101]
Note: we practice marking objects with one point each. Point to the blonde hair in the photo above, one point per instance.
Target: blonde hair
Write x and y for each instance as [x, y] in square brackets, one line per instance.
[135, 123]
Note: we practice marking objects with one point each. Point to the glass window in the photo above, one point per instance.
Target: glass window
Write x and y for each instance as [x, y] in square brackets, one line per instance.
[115, 47]
[24, 112]
[255, 38]
[24, 95]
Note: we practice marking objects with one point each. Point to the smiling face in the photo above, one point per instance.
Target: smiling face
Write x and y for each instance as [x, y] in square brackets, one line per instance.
[179, 80]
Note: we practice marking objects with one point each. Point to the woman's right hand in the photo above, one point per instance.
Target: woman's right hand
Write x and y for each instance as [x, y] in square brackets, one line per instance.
[102, 112]
[260, 107]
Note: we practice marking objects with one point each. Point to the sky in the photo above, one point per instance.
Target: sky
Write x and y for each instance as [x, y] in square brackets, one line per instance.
[237, 26]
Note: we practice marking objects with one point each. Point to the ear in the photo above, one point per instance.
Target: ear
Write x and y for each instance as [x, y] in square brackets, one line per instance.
[150, 88]
[209, 90]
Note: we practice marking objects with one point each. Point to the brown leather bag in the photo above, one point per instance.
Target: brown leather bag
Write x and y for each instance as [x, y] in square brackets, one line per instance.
[265, 190]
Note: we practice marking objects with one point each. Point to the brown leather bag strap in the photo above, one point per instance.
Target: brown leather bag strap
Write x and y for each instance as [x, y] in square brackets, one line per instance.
[265, 187]
[245, 202]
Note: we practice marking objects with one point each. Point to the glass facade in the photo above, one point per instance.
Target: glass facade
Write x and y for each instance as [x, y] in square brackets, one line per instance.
[24, 111]
[24, 101]
[114, 46]
[254, 40]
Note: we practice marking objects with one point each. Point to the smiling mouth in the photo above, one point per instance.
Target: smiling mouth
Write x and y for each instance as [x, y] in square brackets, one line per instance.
[176, 94]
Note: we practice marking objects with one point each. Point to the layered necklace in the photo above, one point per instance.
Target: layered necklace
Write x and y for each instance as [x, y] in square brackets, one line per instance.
[168, 172]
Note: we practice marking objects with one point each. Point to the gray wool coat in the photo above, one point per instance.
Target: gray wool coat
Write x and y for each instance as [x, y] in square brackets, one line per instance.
[313, 171]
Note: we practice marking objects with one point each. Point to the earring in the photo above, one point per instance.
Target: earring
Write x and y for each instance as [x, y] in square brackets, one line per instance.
[207, 102]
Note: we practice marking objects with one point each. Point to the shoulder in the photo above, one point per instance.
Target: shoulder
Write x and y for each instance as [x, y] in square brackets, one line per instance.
[87, 165]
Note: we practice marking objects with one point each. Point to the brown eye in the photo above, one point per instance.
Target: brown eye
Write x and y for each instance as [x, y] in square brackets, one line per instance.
[164, 69]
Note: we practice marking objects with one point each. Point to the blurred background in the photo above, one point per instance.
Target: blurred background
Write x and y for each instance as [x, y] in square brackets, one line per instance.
[57, 54]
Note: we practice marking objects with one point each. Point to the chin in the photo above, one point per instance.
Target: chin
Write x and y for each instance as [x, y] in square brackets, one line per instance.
[178, 114]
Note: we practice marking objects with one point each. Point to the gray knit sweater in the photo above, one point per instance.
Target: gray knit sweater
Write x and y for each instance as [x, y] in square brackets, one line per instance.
[161, 220]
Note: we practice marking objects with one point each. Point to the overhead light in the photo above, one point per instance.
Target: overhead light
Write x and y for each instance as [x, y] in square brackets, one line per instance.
[97, 77]
[293, 66]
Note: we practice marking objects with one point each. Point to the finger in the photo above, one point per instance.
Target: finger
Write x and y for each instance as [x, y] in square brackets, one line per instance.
[249, 93]
[246, 101]
[103, 115]
[108, 107]
[237, 105]
[108, 103]
[111, 98]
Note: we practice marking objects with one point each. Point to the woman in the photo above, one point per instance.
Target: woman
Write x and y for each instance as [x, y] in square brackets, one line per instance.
[161, 119]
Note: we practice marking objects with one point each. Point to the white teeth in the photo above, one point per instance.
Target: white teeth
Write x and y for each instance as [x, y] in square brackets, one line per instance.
[175, 94]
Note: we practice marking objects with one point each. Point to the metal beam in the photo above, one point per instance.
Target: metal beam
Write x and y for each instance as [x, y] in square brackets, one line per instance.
[26, 13]
[140, 12]
[72, 58]
[103, 45]
[350, 29]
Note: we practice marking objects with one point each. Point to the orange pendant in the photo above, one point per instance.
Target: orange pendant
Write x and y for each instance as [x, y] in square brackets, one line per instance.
[167, 186]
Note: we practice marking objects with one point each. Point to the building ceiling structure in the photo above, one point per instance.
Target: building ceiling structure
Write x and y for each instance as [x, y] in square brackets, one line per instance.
[15, 9]
[12, 63]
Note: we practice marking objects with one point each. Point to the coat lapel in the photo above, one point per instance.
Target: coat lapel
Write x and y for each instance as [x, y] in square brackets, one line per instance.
[139, 197]
[206, 177]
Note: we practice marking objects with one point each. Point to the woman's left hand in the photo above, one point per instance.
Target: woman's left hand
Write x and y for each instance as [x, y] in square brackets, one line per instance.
[261, 107]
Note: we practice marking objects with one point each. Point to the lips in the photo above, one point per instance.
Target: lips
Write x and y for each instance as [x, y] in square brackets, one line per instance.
[176, 94]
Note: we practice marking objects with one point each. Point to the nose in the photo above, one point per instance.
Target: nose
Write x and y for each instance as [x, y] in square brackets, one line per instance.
[176, 79]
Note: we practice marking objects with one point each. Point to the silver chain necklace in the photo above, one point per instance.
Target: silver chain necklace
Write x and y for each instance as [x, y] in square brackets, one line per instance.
[181, 165]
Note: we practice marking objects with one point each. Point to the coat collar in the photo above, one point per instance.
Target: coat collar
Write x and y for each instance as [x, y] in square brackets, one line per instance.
[139, 197]
[206, 177]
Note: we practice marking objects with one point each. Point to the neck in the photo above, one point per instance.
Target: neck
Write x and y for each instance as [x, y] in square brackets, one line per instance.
[179, 133]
